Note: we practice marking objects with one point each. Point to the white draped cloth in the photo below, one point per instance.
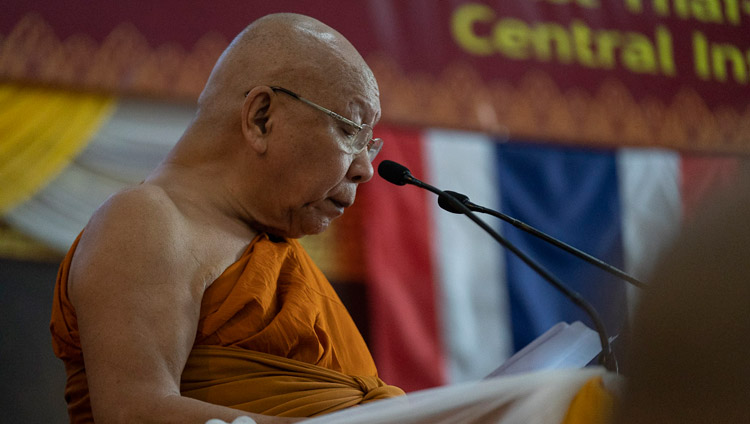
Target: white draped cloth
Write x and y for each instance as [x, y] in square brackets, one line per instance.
[541, 397]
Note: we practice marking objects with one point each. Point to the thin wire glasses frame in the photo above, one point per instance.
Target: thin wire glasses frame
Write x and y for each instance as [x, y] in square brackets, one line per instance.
[361, 140]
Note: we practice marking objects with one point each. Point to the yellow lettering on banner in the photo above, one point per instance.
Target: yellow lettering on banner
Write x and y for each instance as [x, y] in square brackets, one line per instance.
[711, 60]
[638, 54]
[732, 11]
[606, 44]
[709, 11]
[665, 51]
[578, 43]
[681, 8]
[512, 38]
[723, 53]
[634, 6]
[544, 36]
[590, 4]
[582, 40]
[700, 56]
[462, 25]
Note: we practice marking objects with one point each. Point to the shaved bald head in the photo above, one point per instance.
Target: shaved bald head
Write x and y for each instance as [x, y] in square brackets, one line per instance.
[264, 157]
[289, 50]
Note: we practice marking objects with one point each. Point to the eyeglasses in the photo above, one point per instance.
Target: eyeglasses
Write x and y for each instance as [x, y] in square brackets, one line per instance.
[360, 140]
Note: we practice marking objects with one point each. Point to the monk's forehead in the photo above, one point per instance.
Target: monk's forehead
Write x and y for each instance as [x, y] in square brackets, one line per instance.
[331, 81]
[330, 65]
[307, 53]
[301, 54]
[344, 86]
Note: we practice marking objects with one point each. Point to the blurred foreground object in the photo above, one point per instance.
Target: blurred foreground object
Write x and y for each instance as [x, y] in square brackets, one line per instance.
[688, 360]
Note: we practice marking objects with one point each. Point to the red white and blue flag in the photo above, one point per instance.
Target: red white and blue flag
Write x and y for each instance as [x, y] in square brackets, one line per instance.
[448, 304]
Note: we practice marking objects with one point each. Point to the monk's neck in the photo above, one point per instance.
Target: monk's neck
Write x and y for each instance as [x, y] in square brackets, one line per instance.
[200, 192]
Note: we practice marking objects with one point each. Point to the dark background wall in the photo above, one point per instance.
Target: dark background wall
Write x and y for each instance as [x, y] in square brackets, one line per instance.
[33, 379]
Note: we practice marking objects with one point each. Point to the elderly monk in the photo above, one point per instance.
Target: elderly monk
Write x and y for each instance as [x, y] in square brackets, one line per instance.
[187, 297]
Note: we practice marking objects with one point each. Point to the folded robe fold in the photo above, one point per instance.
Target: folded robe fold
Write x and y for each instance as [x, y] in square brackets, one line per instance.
[272, 385]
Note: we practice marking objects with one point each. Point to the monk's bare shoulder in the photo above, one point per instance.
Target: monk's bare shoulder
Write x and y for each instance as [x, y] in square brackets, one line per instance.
[137, 236]
[136, 298]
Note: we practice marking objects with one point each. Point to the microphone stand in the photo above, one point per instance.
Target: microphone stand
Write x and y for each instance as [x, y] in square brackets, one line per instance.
[606, 357]
[533, 231]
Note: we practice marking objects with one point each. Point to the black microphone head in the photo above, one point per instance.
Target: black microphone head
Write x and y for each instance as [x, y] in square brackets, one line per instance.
[448, 205]
[393, 172]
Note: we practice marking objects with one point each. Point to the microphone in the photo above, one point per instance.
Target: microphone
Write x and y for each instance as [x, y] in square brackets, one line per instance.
[448, 206]
[393, 172]
[398, 174]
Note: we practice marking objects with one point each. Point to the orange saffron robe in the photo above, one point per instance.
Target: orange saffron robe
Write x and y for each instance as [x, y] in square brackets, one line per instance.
[273, 338]
[593, 404]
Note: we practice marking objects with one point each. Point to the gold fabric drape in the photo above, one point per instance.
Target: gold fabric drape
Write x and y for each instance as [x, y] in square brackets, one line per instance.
[41, 132]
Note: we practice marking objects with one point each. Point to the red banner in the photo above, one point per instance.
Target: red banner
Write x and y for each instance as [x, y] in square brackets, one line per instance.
[669, 73]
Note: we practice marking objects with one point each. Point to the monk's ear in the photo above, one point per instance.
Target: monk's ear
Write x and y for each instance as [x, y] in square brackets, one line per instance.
[256, 118]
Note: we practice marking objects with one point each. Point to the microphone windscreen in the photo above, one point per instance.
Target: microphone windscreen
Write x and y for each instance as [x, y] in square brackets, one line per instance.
[448, 205]
[393, 172]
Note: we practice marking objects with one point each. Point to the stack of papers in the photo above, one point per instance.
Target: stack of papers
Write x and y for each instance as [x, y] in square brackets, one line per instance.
[562, 346]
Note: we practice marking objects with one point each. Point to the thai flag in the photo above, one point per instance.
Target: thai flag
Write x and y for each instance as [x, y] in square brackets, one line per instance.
[448, 304]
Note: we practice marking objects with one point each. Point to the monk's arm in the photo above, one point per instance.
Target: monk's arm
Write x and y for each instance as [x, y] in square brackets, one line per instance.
[138, 302]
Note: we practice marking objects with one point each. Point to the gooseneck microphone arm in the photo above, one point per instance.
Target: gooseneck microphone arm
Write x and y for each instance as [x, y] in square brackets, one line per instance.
[446, 205]
[400, 175]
